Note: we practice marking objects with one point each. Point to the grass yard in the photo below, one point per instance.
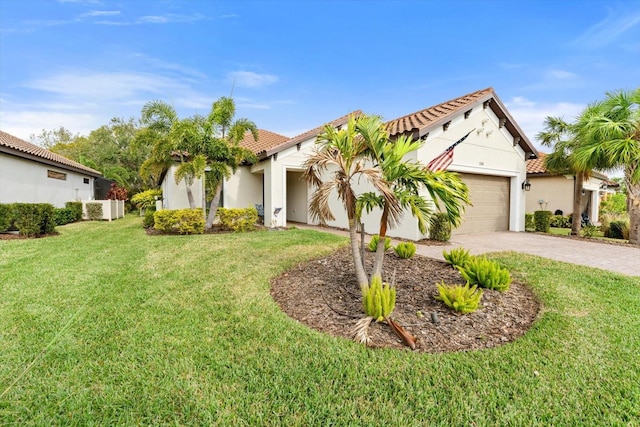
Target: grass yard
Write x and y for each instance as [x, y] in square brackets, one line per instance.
[104, 325]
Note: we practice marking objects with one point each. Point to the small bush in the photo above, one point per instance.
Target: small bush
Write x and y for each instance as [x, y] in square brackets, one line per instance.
[76, 207]
[589, 230]
[619, 229]
[6, 217]
[373, 243]
[62, 216]
[560, 221]
[542, 220]
[486, 274]
[238, 220]
[182, 221]
[440, 229]
[378, 299]
[463, 299]
[146, 199]
[614, 203]
[457, 256]
[94, 211]
[405, 250]
[32, 219]
[148, 221]
[529, 223]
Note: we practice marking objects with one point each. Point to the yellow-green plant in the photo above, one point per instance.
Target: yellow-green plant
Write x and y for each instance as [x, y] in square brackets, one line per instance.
[486, 274]
[457, 257]
[463, 299]
[405, 250]
[238, 220]
[146, 199]
[373, 244]
[183, 221]
[378, 299]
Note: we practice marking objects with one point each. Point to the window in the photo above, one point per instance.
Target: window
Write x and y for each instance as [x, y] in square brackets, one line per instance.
[85, 180]
[56, 175]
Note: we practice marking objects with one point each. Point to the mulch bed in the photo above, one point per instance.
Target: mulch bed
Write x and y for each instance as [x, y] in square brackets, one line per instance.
[324, 295]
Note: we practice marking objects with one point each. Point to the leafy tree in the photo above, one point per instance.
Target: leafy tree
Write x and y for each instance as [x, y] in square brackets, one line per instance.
[562, 136]
[611, 130]
[198, 143]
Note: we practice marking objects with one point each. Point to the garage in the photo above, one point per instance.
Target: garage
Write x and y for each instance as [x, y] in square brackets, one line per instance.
[490, 210]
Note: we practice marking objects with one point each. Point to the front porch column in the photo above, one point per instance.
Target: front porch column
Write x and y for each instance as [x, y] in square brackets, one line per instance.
[275, 210]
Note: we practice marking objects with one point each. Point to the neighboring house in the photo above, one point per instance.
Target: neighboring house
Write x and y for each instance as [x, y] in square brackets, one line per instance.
[31, 174]
[554, 191]
[491, 161]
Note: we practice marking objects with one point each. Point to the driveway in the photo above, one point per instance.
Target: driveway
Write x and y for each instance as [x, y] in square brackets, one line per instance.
[616, 258]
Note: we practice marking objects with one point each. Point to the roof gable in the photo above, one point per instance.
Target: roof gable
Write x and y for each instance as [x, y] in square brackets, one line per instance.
[537, 167]
[420, 123]
[18, 147]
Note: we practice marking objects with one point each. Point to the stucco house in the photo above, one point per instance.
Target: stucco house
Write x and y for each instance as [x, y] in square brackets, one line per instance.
[491, 161]
[31, 174]
[554, 192]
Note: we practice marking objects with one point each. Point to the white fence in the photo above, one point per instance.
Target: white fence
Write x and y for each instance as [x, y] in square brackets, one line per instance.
[111, 209]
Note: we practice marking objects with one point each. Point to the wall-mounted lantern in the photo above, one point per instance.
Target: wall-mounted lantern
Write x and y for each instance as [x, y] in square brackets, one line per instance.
[526, 185]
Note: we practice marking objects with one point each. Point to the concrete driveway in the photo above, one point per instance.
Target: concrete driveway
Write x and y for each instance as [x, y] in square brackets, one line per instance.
[616, 258]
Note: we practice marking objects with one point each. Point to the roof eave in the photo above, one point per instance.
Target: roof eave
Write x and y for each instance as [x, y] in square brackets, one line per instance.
[21, 154]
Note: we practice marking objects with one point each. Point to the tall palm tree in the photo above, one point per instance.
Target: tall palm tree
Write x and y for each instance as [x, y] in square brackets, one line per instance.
[406, 179]
[611, 129]
[562, 136]
[341, 156]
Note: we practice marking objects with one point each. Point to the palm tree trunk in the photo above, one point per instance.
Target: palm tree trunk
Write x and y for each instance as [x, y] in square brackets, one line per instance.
[361, 275]
[192, 203]
[213, 207]
[576, 218]
[633, 203]
[380, 250]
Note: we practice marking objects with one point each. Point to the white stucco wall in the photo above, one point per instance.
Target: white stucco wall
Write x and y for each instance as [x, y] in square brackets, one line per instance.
[26, 181]
[243, 189]
[556, 193]
[175, 195]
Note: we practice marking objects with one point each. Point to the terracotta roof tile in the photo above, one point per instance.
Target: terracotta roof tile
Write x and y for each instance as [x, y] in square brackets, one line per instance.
[424, 118]
[537, 165]
[27, 148]
[266, 140]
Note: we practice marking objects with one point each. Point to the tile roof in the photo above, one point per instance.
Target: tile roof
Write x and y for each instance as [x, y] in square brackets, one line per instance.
[537, 165]
[266, 140]
[427, 117]
[27, 150]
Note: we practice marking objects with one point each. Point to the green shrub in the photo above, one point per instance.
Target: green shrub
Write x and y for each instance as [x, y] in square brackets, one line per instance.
[560, 221]
[542, 220]
[589, 230]
[6, 217]
[378, 299]
[148, 221]
[486, 274]
[614, 203]
[62, 216]
[34, 218]
[238, 220]
[373, 243]
[619, 229]
[94, 211]
[146, 199]
[529, 223]
[463, 299]
[405, 250]
[77, 209]
[457, 256]
[440, 228]
[182, 221]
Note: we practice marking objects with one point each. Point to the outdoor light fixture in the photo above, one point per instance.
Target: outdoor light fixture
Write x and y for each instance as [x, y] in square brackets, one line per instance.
[526, 185]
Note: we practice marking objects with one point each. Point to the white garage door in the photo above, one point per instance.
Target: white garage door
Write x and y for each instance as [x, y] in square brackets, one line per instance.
[490, 210]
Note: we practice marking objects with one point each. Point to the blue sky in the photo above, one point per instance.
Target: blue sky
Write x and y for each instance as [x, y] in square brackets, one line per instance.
[298, 64]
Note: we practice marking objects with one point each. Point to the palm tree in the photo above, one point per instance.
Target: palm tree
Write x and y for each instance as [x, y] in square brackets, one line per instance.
[611, 130]
[342, 156]
[562, 136]
[406, 180]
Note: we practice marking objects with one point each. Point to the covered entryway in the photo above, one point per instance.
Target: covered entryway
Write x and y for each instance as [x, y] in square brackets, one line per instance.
[490, 198]
[296, 197]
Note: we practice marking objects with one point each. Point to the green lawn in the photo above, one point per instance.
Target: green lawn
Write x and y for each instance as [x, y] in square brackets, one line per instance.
[104, 325]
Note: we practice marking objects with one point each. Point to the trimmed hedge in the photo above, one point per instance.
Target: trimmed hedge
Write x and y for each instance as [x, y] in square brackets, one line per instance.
[238, 220]
[76, 207]
[6, 217]
[440, 229]
[62, 216]
[529, 223]
[32, 219]
[94, 211]
[182, 221]
[542, 220]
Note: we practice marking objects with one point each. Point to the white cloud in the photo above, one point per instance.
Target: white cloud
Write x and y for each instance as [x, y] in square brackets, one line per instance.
[251, 79]
[170, 18]
[101, 13]
[609, 29]
[530, 115]
[23, 123]
[561, 74]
